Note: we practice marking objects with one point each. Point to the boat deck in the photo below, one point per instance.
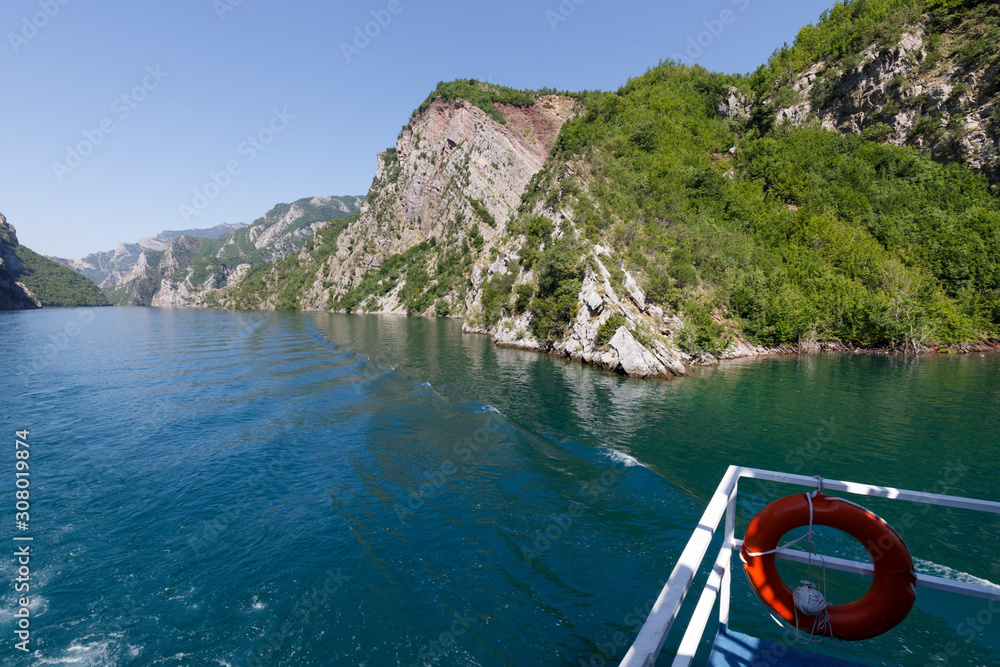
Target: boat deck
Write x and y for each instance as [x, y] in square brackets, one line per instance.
[735, 649]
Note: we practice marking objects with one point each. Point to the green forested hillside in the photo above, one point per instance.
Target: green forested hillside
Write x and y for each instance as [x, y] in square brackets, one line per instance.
[735, 223]
[283, 282]
[849, 28]
[789, 233]
[201, 264]
[238, 247]
[57, 285]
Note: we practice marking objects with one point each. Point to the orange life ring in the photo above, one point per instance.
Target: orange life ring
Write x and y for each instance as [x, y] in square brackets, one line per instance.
[892, 592]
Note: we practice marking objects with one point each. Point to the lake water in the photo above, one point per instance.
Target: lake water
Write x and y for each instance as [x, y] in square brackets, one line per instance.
[242, 488]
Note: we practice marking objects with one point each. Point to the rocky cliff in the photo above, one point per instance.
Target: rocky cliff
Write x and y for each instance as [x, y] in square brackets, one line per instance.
[109, 267]
[183, 269]
[931, 82]
[435, 231]
[692, 216]
[441, 195]
[13, 294]
[455, 176]
[29, 280]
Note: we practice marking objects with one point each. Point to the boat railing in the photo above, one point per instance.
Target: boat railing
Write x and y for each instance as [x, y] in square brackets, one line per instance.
[648, 643]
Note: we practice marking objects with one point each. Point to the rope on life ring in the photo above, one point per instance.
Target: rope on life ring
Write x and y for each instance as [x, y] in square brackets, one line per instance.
[883, 607]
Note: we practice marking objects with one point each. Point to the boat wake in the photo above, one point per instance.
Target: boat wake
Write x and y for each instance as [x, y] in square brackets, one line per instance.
[92, 651]
[621, 457]
[945, 572]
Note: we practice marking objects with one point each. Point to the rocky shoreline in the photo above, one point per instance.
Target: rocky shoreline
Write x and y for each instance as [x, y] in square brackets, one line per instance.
[621, 357]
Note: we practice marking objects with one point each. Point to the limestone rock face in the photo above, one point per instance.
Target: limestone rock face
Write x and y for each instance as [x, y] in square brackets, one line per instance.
[451, 154]
[109, 268]
[167, 270]
[632, 358]
[8, 241]
[13, 294]
[853, 98]
[598, 302]
[456, 178]
[736, 106]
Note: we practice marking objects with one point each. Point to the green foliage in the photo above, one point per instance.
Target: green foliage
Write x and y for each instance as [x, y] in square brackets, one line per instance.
[879, 133]
[496, 296]
[979, 52]
[685, 275]
[560, 279]
[481, 212]
[644, 137]
[408, 265]
[701, 333]
[477, 240]
[606, 331]
[660, 288]
[928, 127]
[799, 243]
[55, 284]
[524, 294]
[961, 88]
[287, 278]
[266, 280]
[553, 313]
[842, 33]
[560, 261]
[538, 231]
[483, 95]
[426, 273]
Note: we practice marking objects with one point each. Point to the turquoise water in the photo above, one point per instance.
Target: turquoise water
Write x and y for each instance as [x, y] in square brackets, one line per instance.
[219, 488]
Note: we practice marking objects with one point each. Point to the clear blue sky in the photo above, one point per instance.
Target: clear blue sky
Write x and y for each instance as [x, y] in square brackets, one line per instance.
[199, 77]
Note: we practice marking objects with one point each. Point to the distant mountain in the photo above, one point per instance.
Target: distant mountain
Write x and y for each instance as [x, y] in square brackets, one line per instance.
[184, 269]
[108, 267]
[28, 280]
[163, 239]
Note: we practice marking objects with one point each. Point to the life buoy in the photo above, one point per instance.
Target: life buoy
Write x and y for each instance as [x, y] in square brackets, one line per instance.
[892, 592]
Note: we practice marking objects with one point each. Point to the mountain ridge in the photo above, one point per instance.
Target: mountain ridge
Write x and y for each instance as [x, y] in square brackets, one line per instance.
[106, 267]
[181, 268]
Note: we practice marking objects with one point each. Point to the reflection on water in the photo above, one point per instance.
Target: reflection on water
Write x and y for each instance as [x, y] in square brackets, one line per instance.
[202, 473]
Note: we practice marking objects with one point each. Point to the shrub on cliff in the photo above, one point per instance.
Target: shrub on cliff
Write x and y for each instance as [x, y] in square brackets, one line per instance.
[606, 331]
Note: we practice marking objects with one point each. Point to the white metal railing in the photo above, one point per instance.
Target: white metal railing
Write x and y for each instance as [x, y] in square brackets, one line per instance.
[647, 645]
